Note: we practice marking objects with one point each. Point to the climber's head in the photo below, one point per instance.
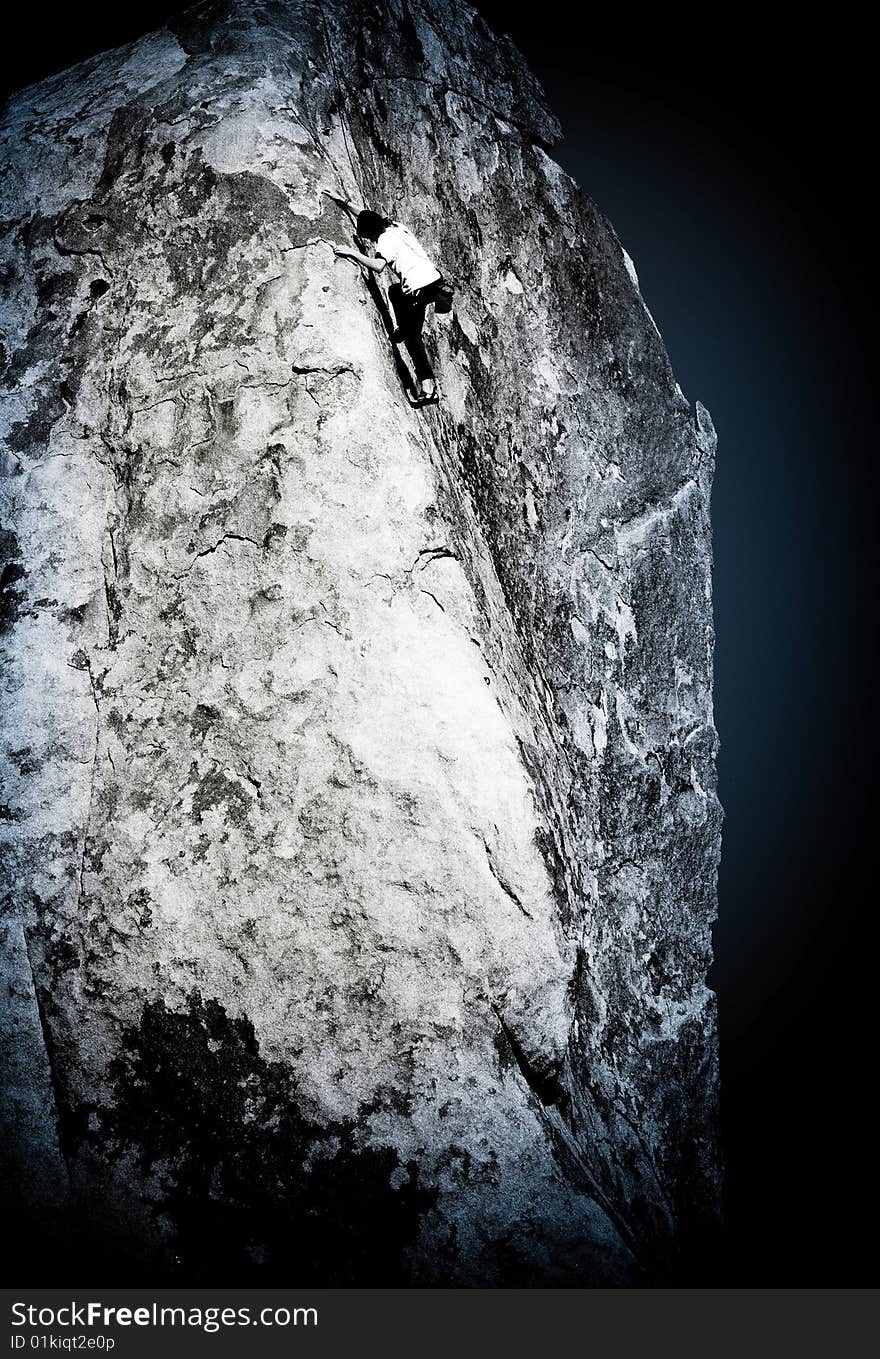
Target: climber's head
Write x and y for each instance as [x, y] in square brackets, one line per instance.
[370, 225]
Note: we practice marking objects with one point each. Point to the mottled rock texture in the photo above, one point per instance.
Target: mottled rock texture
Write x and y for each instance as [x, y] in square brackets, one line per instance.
[360, 825]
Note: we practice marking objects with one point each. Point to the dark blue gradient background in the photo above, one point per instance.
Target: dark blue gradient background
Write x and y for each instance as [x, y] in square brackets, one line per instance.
[734, 163]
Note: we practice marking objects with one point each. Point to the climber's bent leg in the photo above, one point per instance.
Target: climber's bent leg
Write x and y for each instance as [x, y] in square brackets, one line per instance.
[409, 314]
[414, 342]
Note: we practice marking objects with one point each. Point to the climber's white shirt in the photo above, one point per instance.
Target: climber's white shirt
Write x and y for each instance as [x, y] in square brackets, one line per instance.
[400, 248]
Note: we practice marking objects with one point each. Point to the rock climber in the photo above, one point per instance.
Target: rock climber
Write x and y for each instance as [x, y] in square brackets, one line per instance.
[419, 285]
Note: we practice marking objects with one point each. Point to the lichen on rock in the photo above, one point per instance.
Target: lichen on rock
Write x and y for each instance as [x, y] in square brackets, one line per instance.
[360, 830]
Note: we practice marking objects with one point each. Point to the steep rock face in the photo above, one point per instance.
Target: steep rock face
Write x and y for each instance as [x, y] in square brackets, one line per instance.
[360, 828]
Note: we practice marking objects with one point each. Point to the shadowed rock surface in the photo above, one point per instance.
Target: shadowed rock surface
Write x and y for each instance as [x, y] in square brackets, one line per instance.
[360, 827]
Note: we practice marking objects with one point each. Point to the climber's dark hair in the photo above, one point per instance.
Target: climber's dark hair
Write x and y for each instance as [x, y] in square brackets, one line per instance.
[371, 224]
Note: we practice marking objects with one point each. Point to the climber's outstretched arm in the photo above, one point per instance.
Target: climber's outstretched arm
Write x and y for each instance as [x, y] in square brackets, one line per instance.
[342, 203]
[346, 252]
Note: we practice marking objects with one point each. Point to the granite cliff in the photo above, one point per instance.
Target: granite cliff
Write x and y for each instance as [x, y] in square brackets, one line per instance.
[360, 830]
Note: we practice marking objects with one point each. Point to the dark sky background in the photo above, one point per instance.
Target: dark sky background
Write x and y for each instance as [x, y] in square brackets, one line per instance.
[735, 164]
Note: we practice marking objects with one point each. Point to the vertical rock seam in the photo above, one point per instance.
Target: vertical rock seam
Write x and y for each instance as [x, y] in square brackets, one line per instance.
[360, 830]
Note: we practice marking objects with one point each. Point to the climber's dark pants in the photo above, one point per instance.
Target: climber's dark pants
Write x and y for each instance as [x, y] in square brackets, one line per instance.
[409, 317]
